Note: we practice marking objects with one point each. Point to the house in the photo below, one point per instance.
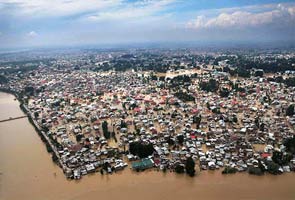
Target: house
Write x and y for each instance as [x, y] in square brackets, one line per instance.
[143, 164]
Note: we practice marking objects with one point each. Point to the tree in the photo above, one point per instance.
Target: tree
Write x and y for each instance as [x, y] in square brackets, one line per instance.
[105, 131]
[190, 167]
[140, 149]
[224, 92]
[211, 86]
[3, 79]
[235, 119]
[258, 73]
[184, 96]
[290, 145]
[243, 73]
[280, 158]
[180, 139]
[229, 170]
[79, 137]
[36, 115]
[123, 124]
[170, 141]
[29, 90]
[273, 168]
[255, 171]
[197, 120]
[290, 82]
[261, 127]
[277, 157]
[179, 169]
[290, 110]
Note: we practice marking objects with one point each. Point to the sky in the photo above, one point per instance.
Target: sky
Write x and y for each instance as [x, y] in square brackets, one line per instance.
[41, 23]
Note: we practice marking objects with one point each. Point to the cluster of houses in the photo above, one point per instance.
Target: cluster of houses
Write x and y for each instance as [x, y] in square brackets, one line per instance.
[73, 105]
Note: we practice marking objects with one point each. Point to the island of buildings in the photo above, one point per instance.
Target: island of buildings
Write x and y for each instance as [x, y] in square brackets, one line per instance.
[176, 110]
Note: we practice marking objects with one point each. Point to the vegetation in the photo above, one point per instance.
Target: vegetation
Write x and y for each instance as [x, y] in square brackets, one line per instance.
[229, 170]
[273, 168]
[184, 96]
[79, 137]
[258, 73]
[290, 82]
[197, 120]
[224, 92]
[290, 145]
[290, 110]
[255, 171]
[280, 159]
[105, 130]
[179, 169]
[29, 90]
[140, 149]
[3, 79]
[190, 167]
[180, 139]
[211, 86]
[242, 72]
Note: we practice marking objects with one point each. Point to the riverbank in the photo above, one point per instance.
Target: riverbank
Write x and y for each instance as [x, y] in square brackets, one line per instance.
[49, 147]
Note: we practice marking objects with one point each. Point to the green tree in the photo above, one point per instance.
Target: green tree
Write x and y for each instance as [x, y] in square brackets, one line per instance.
[273, 168]
[290, 145]
[105, 131]
[224, 92]
[140, 149]
[211, 86]
[290, 110]
[179, 169]
[258, 73]
[197, 120]
[190, 167]
[180, 139]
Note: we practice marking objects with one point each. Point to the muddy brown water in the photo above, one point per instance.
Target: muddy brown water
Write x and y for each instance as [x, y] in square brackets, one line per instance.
[27, 172]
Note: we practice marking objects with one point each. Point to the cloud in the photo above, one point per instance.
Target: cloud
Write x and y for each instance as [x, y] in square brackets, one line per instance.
[54, 8]
[279, 14]
[134, 10]
[32, 34]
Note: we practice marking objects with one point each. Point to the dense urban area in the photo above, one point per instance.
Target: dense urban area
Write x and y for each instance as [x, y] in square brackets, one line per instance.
[177, 110]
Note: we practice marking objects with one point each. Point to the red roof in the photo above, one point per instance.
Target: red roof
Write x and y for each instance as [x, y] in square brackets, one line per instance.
[265, 155]
[137, 109]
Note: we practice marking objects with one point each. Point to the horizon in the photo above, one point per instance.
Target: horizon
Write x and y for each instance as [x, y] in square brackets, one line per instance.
[69, 23]
[157, 45]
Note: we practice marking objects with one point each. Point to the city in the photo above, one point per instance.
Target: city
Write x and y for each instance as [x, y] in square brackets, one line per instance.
[148, 99]
[100, 113]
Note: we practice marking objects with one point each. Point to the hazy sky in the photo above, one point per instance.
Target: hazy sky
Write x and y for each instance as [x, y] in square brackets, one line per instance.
[76, 22]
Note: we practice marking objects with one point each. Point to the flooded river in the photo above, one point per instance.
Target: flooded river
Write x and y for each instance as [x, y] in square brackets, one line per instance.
[27, 172]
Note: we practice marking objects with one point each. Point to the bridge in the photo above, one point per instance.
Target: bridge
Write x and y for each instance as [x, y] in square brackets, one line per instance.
[13, 118]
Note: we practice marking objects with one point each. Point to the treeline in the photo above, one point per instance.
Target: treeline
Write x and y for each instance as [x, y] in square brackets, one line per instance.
[184, 96]
[275, 65]
[290, 81]
[179, 80]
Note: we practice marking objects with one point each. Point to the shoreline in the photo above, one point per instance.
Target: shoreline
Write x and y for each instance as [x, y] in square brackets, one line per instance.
[37, 128]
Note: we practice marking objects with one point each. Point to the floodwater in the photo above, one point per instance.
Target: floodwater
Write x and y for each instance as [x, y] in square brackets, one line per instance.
[27, 172]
